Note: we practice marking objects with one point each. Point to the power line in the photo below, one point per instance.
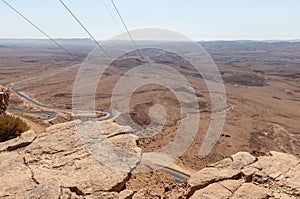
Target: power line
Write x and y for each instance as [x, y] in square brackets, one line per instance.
[35, 26]
[130, 36]
[124, 24]
[86, 30]
[112, 16]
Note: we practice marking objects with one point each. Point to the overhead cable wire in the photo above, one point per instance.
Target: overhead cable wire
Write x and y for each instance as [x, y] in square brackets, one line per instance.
[124, 24]
[86, 30]
[112, 16]
[38, 28]
[130, 36]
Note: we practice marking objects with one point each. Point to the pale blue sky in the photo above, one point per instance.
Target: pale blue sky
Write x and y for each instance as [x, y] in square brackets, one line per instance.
[197, 19]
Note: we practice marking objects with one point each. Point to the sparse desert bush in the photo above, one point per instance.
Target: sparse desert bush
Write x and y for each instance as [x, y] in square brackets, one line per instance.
[11, 127]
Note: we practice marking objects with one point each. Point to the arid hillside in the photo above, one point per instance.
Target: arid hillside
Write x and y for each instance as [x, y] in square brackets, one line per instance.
[261, 80]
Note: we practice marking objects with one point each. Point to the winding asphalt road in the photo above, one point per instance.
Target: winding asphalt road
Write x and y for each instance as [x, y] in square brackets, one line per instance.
[51, 115]
[177, 175]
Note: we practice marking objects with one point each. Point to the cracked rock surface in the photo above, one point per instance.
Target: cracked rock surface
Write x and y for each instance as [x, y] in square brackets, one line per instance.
[242, 176]
[23, 140]
[56, 164]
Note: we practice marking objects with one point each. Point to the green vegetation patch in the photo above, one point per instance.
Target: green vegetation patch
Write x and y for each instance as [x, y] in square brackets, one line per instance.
[11, 127]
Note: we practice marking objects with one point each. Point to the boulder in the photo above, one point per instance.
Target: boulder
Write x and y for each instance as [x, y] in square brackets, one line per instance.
[212, 191]
[251, 191]
[241, 159]
[23, 140]
[237, 161]
[4, 99]
[57, 163]
[209, 175]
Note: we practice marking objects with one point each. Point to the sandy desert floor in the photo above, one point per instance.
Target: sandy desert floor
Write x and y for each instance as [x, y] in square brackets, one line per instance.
[262, 82]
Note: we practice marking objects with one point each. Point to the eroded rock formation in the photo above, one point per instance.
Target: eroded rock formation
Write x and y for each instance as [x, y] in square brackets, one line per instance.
[55, 164]
[4, 98]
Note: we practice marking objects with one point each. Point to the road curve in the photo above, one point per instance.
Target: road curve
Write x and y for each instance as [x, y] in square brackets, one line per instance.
[51, 115]
[177, 175]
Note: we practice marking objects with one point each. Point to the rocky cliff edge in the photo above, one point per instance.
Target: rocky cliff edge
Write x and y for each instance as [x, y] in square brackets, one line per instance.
[55, 164]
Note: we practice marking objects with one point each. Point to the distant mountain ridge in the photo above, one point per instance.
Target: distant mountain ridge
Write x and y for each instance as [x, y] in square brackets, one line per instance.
[88, 40]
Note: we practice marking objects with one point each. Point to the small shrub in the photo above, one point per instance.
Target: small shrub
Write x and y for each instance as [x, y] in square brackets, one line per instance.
[11, 127]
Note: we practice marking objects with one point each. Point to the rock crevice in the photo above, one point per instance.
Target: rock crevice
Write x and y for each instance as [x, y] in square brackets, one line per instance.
[55, 164]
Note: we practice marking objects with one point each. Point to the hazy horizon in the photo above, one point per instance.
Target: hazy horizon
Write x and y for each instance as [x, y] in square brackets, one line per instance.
[218, 40]
[198, 20]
